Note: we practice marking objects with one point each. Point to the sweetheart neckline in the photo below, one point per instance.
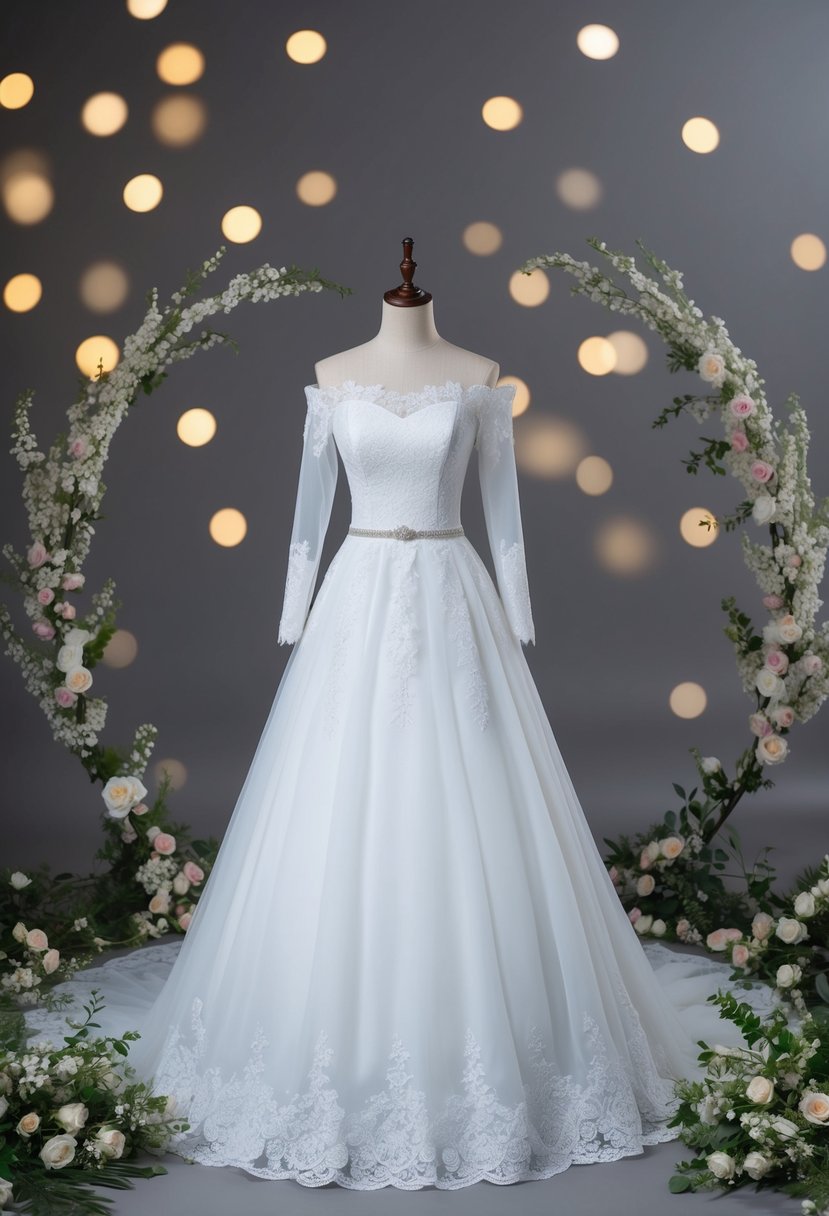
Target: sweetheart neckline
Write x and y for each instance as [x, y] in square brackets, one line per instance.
[341, 393]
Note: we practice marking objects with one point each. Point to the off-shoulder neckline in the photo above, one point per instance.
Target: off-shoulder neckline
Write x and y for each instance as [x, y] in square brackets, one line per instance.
[339, 391]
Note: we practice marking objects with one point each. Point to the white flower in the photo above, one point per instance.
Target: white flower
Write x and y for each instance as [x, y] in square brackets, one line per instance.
[658, 928]
[707, 1110]
[787, 975]
[804, 905]
[652, 848]
[814, 1107]
[69, 656]
[28, 1125]
[119, 795]
[756, 1165]
[58, 1152]
[711, 367]
[5, 1192]
[112, 1142]
[19, 932]
[790, 931]
[771, 749]
[710, 764]
[672, 846]
[645, 884]
[763, 508]
[760, 1090]
[19, 880]
[72, 1117]
[721, 1165]
[788, 629]
[768, 683]
[784, 1128]
[644, 923]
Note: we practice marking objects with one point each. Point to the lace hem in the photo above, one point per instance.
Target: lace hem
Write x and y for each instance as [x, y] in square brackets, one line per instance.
[395, 1139]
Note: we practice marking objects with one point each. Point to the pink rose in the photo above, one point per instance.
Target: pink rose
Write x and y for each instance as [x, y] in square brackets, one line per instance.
[741, 405]
[164, 843]
[733, 935]
[760, 725]
[36, 940]
[72, 581]
[43, 628]
[773, 601]
[794, 560]
[193, 872]
[51, 961]
[739, 956]
[716, 940]
[682, 927]
[761, 470]
[38, 553]
[140, 808]
[66, 610]
[777, 661]
[812, 663]
[77, 447]
[634, 914]
[65, 697]
[645, 860]
[739, 441]
[782, 715]
[184, 920]
[179, 909]
[45, 595]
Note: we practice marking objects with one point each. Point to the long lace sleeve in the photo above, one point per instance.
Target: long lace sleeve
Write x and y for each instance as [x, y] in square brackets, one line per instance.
[502, 509]
[315, 496]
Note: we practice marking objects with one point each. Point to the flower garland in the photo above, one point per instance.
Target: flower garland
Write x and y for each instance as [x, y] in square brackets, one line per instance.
[783, 666]
[157, 867]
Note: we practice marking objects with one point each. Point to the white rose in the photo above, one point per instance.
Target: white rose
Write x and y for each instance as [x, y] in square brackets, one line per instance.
[672, 846]
[761, 926]
[711, 367]
[707, 1109]
[58, 1152]
[710, 764]
[69, 656]
[768, 683]
[112, 1142]
[787, 975]
[28, 1125]
[763, 508]
[760, 1090]
[823, 885]
[138, 789]
[814, 1107]
[645, 884]
[644, 923]
[790, 931]
[804, 905]
[784, 1128]
[771, 749]
[118, 796]
[72, 1117]
[19, 881]
[756, 1165]
[181, 884]
[788, 628]
[159, 903]
[658, 928]
[19, 932]
[77, 636]
[721, 1165]
[653, 849]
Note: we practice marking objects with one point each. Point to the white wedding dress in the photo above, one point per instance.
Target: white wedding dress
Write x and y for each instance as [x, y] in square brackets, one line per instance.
[409, 965]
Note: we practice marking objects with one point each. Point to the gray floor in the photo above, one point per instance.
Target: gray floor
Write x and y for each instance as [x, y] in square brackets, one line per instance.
[631, 1187]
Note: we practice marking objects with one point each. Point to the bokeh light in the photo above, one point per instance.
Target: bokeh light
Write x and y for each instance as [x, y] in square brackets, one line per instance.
[306, 46]
[143, 192]
[502, 113]
[196, 427]
[241, 224]
[179, 120]
[548, 446]
[121, 649]
[700, 134]
[180, 63]
[531, 289]
[688, 700]
[597, 356]
[16, 90]
[104, 286]
[22, 292]
[228, 526]
[578, 188]
[482, 238]
[175, 770]
[808, 251]
[594, 475]
[624, 545]
[92, 350]
[631, 352]
[145, 10]
[521, 400]
[104, 113]
[316, 188]
[28, 196]
[597, 41]
[692, 531]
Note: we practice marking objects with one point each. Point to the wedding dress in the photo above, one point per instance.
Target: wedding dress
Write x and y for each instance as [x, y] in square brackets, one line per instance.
[409, 965]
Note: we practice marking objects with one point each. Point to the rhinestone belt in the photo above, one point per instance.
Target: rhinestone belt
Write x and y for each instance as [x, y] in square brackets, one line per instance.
[404, 533]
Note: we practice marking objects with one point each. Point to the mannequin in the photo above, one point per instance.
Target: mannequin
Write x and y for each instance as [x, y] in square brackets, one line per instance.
[407, 352]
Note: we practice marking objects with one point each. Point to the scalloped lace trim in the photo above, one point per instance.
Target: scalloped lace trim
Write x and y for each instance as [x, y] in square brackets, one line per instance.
[395, 1139]
[517, 597]
[301, 569]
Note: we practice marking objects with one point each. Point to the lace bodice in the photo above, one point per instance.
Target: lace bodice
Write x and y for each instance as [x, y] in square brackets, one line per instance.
[406, 457]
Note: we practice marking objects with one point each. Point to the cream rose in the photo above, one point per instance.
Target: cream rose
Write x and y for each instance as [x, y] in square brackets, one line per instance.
[672, 846]
[160, 903]
[814, 1107]
[790, 931]
[118, 794]
[69, 656]
[658, 928]
[763, 508]
[721, 1165]
[78, 679]
[112, 1142]
[756, 1165]
[29, 1124]
[716, 940]
[643, 923]
[711, 367]
[51, 961]
[788, 628]
[645, 884]
[805, 905]
[787, 975]
[36, 939]
[760, 1090]
[768, 683]
[72, 1117]
[19, 880]
[771, 749]
[58, 1152]
[761, 925]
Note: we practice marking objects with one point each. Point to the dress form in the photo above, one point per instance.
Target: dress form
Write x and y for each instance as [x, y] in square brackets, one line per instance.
[407, 352]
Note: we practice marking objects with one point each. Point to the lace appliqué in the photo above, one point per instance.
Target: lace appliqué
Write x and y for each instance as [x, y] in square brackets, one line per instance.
[495, 428]
[404, 630]
[326, 399]
[517, 592]
[456, 611]
[301, 570]
[394, 1139]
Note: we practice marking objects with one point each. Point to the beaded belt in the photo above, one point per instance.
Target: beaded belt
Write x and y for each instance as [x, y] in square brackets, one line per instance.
[404, 533]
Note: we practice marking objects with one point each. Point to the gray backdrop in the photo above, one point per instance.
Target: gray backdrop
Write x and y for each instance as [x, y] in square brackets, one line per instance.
[393, 113]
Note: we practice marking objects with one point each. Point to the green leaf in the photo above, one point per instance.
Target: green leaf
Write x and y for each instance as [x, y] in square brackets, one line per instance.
[678, 1183]
[679, 790]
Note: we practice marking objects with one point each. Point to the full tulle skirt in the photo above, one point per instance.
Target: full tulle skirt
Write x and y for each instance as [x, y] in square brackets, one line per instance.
[409, 965]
